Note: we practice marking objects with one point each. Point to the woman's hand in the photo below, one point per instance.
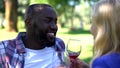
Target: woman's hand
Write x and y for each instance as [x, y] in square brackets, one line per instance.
[77, 63]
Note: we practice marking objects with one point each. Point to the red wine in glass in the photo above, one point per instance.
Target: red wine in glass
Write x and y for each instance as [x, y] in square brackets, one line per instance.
[73, 56]
[73, 48]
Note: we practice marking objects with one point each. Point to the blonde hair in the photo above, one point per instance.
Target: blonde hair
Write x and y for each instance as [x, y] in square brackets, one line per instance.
[106, 17]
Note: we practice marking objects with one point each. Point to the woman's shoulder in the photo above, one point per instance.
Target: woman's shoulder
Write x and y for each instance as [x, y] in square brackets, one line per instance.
[110, 56]
[111, 60]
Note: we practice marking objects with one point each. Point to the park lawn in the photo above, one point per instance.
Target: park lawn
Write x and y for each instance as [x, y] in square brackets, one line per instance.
[65, 35]
[4, 35]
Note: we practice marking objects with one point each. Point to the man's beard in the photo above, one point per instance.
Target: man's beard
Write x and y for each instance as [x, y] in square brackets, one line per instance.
[44, 40]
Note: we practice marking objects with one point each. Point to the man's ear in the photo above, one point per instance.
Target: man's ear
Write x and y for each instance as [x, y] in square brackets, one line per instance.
[27, 22]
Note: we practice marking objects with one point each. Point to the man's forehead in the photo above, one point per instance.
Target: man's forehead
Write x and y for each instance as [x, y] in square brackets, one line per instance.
[40, 8]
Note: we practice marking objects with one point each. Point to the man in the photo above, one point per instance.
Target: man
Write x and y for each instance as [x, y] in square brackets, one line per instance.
[29, 49]
[38, 47]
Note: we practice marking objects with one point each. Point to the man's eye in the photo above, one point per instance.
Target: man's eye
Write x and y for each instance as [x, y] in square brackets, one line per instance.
[47, 20]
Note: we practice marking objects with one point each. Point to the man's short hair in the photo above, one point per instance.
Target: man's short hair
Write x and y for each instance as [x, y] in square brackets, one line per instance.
[32, 9]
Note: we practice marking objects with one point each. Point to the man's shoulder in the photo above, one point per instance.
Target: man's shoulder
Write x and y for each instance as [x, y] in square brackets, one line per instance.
[5, 47]
[58, 39]
[5, 43]
[60, 44]
[2, 43]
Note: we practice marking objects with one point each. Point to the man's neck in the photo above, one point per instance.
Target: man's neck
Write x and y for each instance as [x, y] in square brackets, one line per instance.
[32, 44]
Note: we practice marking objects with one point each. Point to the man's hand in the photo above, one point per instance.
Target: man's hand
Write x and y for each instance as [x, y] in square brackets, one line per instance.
[77, 63]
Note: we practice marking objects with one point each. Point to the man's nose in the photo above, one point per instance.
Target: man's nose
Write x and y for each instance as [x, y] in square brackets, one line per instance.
[53, 26]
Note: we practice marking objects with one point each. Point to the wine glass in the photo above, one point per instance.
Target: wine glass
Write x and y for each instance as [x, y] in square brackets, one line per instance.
[74, 48]
[64, 58]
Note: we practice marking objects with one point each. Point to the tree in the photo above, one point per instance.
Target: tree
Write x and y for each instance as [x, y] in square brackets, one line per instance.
[60, 7]
[2, 11]
[73, 3]
[11, 15]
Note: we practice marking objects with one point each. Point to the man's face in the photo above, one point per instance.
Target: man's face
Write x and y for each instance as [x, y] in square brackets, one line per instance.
[45, 26]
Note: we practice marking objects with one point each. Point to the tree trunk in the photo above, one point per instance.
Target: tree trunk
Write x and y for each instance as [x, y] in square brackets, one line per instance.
[81, 23]
[72, 15]
[66, 18]
[59, 21]
[11, 15]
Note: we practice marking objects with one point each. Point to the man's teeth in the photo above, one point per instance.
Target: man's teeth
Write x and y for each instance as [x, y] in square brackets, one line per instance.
[51, 33]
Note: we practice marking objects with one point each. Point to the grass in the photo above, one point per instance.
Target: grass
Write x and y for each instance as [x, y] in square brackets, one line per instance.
[65, 34]
[4, 35]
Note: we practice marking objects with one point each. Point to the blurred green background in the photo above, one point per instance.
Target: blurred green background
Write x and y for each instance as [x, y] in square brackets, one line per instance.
[73, 20]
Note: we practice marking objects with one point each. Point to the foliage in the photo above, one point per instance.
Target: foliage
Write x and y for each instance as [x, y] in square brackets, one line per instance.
[38, 1]
[91, 2]
[2, 7]
[66, 9]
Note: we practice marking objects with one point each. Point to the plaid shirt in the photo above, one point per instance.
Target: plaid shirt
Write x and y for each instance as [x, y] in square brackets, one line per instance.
[12, 51]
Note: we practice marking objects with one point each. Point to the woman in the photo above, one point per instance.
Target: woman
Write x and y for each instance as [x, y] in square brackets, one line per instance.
[106, 31]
